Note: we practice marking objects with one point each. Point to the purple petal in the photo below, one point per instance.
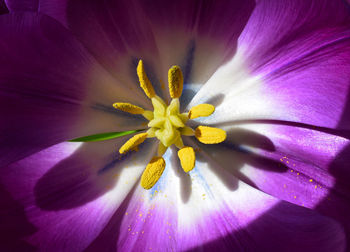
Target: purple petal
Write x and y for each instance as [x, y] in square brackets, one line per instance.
[282, 228]
[22, 5]
[291, 30]
[305, 67]
[197, 35]
[239, 219]
[306, 167]
[291, 64]
[3, 7]
[73, 201]
[68, 193]
[51, 89]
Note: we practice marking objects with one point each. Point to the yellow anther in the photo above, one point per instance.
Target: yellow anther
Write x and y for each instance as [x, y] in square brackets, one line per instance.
[153, 172]
[133, 142]
[176, 81]
[168, 125]
[201, 110]
[145, 84]
[187, 158]
[209, 135]
[128, 107]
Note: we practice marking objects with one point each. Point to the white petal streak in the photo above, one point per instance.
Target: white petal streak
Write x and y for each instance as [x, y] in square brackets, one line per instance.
[236, 94]
[182, 206]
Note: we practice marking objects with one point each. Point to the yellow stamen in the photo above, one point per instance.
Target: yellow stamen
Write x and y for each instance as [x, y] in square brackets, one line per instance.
[161, 149]
[174, 107]
[145, 84]
[187, 131]
[176, 121]
[201, 110]
[187, 158]
[153, 172]
[148, 115]
[133, 142]
[168, 125]
[184, 117]
[209, 135]
[159, 106]
[167, 134]
[176, 81]
[128, 107]
[158, 122]
[178, 142]
[151, 132]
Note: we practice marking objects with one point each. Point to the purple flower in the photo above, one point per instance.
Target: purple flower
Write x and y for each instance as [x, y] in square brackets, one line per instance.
[278, 73]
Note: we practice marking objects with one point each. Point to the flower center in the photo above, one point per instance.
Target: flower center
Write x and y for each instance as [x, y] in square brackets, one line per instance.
[168, 125]
[168, 122]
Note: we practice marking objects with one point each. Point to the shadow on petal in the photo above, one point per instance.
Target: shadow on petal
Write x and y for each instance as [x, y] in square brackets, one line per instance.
[107, 240]
[14, 225]
[239, 136]
[338, 132]
[87, 174]
[3, 8]
[185, 179]
[337, 203]
[285, 227]
[233, 154]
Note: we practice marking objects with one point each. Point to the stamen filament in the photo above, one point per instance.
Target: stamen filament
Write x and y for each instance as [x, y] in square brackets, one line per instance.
[178, 142]
[159, 106]
[187, 131]
[148, 115]
[151, 132]
[168, 125]
[176, 121]
[161, 149]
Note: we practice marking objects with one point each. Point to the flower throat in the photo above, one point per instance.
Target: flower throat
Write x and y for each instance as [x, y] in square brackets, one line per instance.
[168, 125]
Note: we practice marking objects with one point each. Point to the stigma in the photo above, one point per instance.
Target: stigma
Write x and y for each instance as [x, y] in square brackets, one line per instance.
[168, 125]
